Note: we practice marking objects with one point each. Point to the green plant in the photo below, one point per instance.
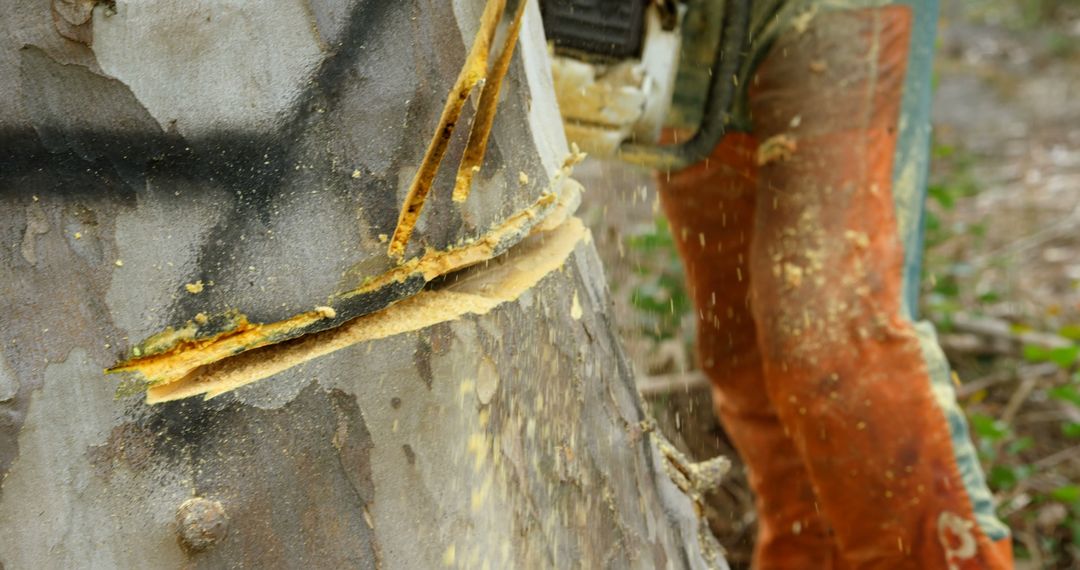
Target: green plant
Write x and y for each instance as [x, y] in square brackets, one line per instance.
[1021, 472]
[945, 276]
[1025, 427]
[660, 294]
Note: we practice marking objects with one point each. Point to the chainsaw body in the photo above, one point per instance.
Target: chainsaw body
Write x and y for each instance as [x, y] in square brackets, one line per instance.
[625, 70]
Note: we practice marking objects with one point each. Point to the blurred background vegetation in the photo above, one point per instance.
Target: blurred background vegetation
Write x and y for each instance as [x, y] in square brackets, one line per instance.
[1001, 277]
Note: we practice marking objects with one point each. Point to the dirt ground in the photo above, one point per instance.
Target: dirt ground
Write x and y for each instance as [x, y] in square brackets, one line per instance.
[1001, 278]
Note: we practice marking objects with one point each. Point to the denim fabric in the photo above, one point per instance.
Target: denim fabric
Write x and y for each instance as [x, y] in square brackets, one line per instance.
[910, 168]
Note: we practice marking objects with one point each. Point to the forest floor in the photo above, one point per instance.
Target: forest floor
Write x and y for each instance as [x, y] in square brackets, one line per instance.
[1001, 278]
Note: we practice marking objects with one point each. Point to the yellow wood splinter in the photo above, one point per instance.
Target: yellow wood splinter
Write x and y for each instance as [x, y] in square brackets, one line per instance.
[485, 113]
[472, 72]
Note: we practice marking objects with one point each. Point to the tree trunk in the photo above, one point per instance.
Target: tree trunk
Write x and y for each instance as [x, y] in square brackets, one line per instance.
[168, 167]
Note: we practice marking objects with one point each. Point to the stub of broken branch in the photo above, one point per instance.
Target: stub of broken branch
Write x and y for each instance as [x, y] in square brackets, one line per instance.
[472, 72]
[475, 149]
[695, 480]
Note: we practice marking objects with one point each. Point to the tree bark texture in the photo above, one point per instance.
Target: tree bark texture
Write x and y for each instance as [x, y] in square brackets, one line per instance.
[165, 160]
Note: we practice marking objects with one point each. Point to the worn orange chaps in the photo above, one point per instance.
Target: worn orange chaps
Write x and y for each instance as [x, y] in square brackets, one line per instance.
[790, 243]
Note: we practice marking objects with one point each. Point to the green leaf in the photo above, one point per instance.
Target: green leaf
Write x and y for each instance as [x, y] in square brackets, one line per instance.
[1002, 477]
[1065, 394]
[988, 428]
[943, 151]
[1071, 332]
[1066, 493]
[933, 223]
[1020, 445]
[650, 242]
[1065, 356]
[1036, 353]
[943, 195]
[948, 287]
[1071, 429]
[650, 303]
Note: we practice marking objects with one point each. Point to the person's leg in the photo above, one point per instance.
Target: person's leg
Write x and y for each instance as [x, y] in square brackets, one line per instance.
[843, 364]
[711, 210]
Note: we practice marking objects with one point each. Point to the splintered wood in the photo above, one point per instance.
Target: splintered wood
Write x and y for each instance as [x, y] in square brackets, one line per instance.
[184, 352]
[189, 353]
[485, 112]
[472, 72]
[175, 354]
[474, 294]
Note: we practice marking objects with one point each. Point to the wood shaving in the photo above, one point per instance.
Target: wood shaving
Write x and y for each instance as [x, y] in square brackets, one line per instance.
[776, 148]
[472, 72]
[485, 112]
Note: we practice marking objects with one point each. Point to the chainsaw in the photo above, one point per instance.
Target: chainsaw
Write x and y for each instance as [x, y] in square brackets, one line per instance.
[628, 71]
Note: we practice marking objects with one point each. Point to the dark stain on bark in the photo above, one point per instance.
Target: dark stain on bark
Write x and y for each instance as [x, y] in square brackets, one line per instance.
[129, 444]
[422, 360]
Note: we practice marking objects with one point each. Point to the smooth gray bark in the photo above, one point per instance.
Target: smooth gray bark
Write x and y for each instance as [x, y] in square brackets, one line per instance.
[151, 145]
